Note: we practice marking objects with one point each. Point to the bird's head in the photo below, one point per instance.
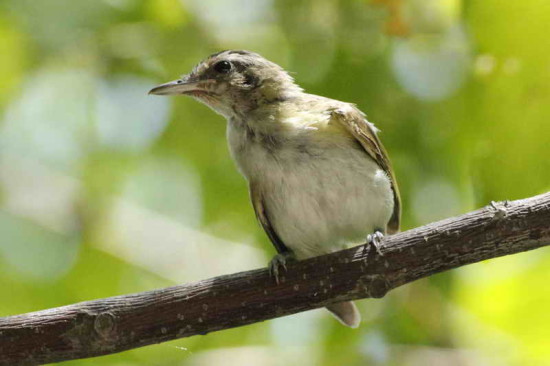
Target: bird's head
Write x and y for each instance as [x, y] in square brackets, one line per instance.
[233, 83]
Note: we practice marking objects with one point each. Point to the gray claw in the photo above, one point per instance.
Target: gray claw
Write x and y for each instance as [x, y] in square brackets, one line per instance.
[279, 261]
[376, 241]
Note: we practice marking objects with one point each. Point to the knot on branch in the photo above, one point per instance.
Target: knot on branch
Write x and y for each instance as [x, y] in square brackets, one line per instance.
[374, 286]
[104, 325]
[500, 212]
[92, 330]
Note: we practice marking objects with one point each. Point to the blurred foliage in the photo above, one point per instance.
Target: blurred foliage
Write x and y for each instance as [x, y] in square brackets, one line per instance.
[105, 190]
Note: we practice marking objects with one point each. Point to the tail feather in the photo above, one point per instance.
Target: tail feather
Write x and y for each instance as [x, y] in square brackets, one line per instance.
[346, 313]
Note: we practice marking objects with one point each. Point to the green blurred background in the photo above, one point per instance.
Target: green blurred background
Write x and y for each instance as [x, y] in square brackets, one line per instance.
[105, 190]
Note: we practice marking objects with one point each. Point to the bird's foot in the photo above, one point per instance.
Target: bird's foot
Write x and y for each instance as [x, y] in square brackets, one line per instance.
[375, 240]
[278, 262]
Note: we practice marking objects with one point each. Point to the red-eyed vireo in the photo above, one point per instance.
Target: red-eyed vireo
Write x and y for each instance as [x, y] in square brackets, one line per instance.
[318, 174]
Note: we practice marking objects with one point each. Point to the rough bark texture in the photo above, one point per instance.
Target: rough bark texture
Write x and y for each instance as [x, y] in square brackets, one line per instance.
[119, 323]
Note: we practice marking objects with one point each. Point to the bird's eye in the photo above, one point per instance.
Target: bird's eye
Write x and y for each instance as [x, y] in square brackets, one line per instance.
[223, 67]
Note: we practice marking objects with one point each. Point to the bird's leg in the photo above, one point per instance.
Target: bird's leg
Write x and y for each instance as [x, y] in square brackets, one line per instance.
[375, 240]
[280, 261]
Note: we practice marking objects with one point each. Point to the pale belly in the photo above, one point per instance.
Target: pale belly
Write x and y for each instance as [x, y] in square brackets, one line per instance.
[320, 201]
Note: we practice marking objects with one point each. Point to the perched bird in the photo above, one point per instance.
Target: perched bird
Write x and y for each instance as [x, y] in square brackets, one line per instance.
[318, 175]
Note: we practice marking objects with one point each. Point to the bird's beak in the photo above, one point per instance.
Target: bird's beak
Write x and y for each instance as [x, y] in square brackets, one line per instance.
[180, 86]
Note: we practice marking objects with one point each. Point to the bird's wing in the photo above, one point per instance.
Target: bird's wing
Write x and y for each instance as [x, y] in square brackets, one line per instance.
[263, 217]
[355, 122]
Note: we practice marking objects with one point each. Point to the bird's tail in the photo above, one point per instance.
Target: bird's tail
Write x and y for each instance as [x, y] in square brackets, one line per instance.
[346, 313]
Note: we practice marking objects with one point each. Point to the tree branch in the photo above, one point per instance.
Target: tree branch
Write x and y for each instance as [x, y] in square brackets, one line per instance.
[120, 323]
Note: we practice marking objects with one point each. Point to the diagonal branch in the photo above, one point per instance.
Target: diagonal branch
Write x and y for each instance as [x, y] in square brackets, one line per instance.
[120, 323]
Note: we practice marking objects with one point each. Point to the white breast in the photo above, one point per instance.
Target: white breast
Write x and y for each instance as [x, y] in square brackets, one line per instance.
[320, 195]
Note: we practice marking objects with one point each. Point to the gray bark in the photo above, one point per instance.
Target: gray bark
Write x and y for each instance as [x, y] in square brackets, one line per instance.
[115, 324]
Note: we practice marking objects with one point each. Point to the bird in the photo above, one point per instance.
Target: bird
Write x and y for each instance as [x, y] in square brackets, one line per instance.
[319, 178]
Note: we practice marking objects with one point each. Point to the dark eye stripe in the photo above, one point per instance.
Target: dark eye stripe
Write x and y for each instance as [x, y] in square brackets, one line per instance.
[223, 67]
[251, 80]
